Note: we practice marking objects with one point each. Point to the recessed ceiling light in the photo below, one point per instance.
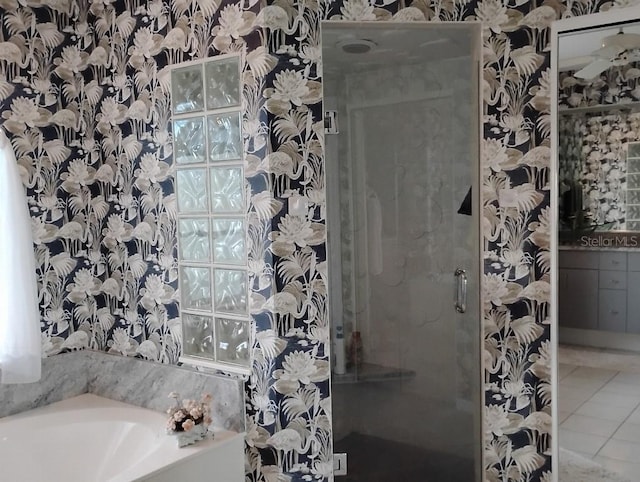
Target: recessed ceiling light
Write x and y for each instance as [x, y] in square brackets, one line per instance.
[356, 46]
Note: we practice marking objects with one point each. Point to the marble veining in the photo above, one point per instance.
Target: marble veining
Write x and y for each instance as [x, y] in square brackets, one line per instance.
[128, 380]
[148, 385]
[63, 376]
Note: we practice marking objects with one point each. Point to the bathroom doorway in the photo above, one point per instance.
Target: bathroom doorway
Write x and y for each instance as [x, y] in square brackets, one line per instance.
[402, 132]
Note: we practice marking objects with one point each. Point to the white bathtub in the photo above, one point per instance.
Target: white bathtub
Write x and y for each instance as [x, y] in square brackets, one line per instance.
[90, 438]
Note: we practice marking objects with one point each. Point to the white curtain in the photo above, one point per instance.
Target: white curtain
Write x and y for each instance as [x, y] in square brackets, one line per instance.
[20, 345]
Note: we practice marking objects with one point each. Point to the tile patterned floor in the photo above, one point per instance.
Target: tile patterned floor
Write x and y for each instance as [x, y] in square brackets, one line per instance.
[599, 411]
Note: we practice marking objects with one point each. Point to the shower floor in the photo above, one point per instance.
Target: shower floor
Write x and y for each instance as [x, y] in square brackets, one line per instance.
[374, 459]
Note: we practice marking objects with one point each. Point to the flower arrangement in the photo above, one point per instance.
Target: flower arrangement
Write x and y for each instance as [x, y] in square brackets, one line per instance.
[188, 419]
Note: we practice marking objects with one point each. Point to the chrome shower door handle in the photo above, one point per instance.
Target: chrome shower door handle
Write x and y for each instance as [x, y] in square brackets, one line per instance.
[461, 290]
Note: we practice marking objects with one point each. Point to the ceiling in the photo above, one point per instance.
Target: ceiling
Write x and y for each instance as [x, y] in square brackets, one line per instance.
[393, 45]
[575, 48]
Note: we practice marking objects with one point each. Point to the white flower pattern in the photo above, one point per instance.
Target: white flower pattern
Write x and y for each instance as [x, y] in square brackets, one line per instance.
[99, 178]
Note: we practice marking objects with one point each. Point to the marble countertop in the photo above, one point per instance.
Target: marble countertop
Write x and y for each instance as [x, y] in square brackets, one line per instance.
[125, 379]
[567, 247]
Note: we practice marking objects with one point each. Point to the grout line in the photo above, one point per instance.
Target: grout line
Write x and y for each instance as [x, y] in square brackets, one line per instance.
[593, 394]
[620, 425]
[625, 421]
[575, 367]
[600, 390]
[574, 412]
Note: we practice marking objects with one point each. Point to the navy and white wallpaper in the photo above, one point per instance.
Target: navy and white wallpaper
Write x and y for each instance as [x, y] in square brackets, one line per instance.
[593, 151]
[617, 85]
[84, 96]
[594, 145]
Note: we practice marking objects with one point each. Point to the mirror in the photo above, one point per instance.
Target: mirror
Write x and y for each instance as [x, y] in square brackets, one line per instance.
[599, 130]
[595, 320]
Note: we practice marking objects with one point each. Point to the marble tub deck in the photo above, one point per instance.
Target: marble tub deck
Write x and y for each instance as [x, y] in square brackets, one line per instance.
[125, 379]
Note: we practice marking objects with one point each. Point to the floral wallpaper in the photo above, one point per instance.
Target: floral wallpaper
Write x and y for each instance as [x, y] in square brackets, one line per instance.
[617, 85]
[571, 167]
[593, 152]
[84, 96]
[594, 145]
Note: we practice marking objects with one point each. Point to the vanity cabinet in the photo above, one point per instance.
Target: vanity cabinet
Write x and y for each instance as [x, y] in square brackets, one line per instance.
[599, 290]
[578, 295]
[633, 299]
[612, 310]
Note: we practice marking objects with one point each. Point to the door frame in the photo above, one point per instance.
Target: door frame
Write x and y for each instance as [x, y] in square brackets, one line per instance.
[475, 29]
[557, 28]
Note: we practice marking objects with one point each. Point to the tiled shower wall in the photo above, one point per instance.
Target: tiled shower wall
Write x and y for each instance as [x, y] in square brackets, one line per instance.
[84, 97]
[397, 282]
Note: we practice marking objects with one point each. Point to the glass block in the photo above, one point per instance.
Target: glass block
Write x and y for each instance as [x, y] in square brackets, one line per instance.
[633, 225]
[192, 190]
[633, 181]
[224, 137]
[228, 241]
[634, 149]
[189, 141]
[232, 341]
[230, 291]
[222, 81]
[197, 336]
[195, 288]
[187, 89]
[194, 240]
[633, 165]
[633, 196]
[633, 212]
[227, 190]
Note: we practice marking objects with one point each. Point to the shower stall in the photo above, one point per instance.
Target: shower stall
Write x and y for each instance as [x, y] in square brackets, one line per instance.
[402, 136]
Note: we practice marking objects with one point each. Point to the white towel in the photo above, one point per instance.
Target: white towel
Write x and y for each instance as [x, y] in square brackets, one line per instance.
[20, 337]
[374, 232]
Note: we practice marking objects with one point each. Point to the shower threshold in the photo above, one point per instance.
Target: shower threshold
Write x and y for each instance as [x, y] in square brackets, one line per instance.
[375, 459]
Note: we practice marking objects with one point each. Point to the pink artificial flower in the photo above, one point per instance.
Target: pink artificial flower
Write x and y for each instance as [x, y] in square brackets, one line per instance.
[179, 415]
[188, 424]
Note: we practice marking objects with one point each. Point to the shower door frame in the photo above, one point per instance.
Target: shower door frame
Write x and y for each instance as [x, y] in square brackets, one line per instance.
[475, 31]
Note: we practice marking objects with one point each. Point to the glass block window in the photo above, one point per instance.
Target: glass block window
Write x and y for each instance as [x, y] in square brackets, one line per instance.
[209, 182]
[633, 187]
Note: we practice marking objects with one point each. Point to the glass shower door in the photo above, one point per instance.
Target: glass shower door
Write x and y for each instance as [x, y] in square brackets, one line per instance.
[404, 251]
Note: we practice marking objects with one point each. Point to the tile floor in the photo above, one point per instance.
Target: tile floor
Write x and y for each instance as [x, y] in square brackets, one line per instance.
[599, 411]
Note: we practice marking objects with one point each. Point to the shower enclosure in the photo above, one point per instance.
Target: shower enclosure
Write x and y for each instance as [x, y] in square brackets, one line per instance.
[402, 157]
